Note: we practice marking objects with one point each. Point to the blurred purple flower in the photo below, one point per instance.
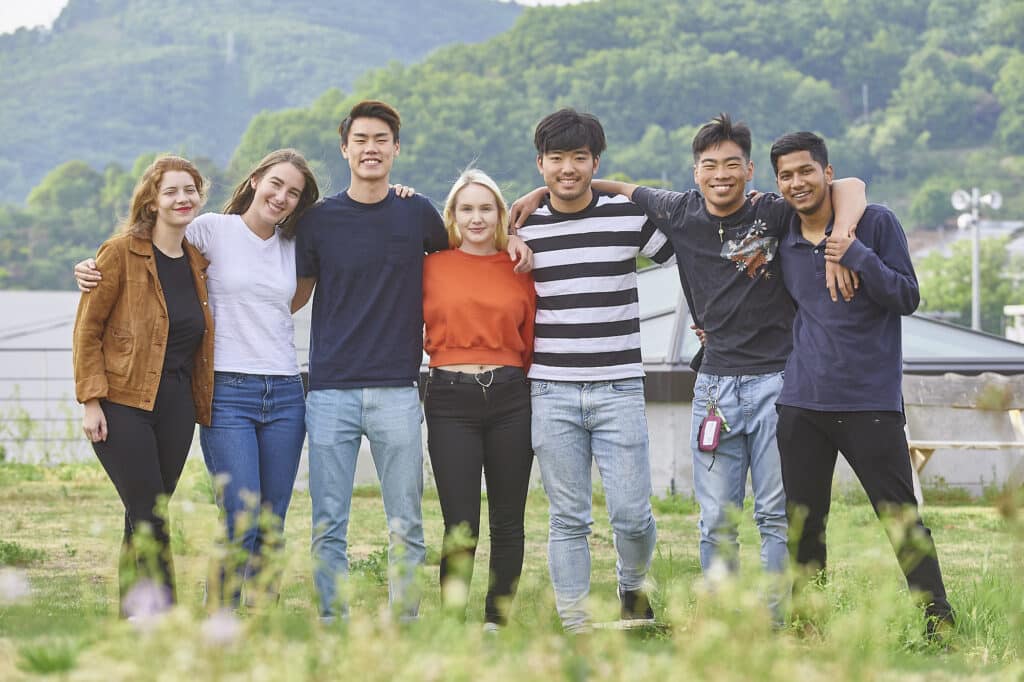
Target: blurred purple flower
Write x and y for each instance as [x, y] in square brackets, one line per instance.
[14, 586]
[145, 602]
[222, 628]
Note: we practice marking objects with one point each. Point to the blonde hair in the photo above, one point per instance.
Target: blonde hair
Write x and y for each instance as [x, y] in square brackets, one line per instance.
[475, 176]
[141, 216]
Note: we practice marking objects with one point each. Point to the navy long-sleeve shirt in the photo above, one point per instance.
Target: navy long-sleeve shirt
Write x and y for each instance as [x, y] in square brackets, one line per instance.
[848, 356]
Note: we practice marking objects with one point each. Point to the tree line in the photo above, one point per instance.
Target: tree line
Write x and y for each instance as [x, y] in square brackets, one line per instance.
[918, 98]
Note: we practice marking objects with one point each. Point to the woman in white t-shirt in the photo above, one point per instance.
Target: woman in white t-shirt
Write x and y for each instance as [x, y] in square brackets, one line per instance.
[254, 442]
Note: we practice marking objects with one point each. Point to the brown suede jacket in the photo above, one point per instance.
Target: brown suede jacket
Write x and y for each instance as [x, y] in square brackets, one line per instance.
[121, 329]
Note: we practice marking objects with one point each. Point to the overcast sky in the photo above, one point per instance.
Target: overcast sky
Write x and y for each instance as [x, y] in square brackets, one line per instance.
[17, 13]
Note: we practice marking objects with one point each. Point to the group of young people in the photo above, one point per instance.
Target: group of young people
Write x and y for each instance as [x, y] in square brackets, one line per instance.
[533, 338]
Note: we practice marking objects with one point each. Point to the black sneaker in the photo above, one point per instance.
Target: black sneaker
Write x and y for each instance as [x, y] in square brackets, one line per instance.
[937, 631]
[636, 608]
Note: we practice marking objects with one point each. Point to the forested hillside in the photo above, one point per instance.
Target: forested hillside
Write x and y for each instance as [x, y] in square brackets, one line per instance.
[114, 78]
[916, 96]
[902, 88]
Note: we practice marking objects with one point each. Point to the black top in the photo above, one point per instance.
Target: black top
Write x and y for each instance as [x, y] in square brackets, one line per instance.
[184, 312]
[729, 269]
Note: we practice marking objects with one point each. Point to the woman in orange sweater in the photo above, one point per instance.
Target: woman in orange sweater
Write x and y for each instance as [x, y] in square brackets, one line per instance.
[479, 318]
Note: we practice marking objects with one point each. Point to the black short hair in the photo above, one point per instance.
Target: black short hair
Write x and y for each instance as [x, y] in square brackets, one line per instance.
[568, 129]
[371, 108]
[802, 141]
[721, 129]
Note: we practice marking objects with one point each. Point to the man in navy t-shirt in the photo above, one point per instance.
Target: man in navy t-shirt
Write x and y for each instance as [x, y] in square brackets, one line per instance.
[363, 250]
[843, 380]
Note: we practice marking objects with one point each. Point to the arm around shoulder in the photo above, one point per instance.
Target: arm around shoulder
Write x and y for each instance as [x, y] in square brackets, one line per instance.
[626, 189]
[849, 200]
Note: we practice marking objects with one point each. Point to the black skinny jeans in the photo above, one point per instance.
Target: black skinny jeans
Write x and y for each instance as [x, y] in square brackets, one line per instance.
[471, 428]
[144, 455]
[875, 446]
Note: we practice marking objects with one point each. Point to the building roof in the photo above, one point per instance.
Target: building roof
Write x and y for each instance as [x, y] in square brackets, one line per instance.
[44, 320]
[929, 346]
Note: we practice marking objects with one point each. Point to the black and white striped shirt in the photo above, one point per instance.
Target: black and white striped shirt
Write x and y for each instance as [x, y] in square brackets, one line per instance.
[588, 318]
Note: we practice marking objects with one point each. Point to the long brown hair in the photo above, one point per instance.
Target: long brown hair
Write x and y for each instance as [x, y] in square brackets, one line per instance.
[241, 198]
[141, 216]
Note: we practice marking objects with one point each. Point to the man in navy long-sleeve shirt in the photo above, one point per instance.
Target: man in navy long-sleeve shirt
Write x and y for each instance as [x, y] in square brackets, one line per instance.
[843, 380]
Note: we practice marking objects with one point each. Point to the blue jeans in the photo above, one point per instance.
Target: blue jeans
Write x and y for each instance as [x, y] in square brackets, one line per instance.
[391, 419]
[575, 424]
[720, 478]
[252, 450]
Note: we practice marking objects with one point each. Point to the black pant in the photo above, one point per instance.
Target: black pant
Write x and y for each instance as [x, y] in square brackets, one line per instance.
[875, 446]
[144, 455]
[469, 428]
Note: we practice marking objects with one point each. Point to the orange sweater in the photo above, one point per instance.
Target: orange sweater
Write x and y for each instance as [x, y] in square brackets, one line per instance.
[476, 310]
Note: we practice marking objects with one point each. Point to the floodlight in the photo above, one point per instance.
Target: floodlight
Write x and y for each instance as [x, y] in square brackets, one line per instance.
[993, 199]
[961, 200]
[964, 221]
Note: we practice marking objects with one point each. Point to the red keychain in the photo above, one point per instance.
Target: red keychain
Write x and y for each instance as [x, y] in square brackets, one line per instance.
[710, 429]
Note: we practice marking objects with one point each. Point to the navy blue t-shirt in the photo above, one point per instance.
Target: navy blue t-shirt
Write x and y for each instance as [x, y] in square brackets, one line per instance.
[729, 270]
[848, 355]
[367, 324]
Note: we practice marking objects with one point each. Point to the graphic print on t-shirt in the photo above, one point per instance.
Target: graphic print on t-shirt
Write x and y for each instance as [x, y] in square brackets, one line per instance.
[753, 252]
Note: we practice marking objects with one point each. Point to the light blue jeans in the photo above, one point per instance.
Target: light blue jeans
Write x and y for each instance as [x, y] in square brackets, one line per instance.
[390, 418]
[252, 448]
[573, 425]
[720, 478]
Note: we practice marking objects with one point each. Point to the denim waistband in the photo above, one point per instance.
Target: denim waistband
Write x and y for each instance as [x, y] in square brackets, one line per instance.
[501, 375]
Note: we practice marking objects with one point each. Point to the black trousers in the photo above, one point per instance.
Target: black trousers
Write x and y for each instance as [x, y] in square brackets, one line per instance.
[472, 428]
[875, 446]
[144, 455]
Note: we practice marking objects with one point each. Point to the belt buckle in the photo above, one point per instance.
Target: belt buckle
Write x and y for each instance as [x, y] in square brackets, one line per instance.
[490, 380]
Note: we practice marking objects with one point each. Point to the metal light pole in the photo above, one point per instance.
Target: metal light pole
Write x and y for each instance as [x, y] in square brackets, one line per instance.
[962, 200]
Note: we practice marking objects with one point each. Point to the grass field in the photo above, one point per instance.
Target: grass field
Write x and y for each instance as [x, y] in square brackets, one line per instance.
[60, 527]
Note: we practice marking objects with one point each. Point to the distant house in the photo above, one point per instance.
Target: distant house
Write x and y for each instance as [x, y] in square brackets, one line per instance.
[36, 378]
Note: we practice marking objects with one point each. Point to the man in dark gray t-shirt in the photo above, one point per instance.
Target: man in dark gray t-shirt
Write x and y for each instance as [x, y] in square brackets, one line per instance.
[726, 249]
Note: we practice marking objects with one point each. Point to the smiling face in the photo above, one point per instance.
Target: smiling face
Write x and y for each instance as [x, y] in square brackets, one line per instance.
[370, 149]
[721, 173]
[476, 218]
[803, 182]
[276, 194]
[567, 174]
[177, 200]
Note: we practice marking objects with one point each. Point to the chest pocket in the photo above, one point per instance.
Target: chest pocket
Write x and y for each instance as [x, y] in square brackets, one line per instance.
[118, 350]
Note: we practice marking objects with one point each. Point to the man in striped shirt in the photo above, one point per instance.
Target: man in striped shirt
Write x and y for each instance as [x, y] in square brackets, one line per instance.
[587, 375]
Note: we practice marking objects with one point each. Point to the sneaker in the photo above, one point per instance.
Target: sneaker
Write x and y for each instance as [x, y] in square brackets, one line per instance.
[636, 608]
[937, 632]
[491, 628]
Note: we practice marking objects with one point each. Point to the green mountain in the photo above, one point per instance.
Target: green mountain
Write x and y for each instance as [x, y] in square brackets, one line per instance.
[918, 97]
[114, 78]
[907, 91]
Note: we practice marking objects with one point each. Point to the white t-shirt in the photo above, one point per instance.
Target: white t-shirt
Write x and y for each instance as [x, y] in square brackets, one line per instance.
[251, 283]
